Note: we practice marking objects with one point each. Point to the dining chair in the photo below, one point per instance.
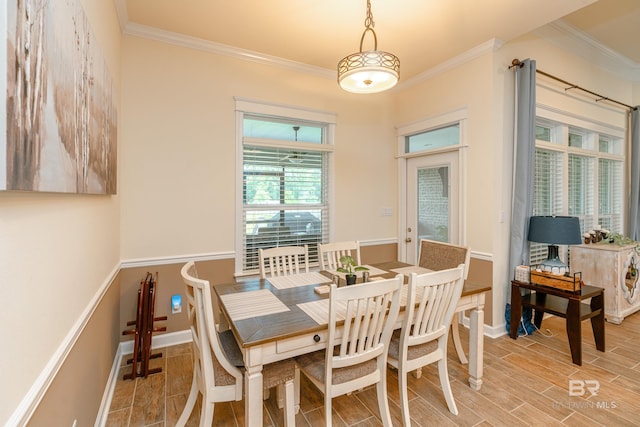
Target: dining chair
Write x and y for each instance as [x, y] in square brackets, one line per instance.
[356, 355]
[217, 359]
[330, 253]
[283, 261]
[435, 256]
[422, 340]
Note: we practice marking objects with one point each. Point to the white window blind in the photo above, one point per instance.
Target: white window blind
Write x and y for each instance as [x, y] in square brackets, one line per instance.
[285, 185]
[581, 189]
[578, 172]
[547, 193]
[610, 194]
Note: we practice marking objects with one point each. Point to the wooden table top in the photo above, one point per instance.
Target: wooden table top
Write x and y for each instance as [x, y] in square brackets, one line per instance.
[586, 291]
[262, 329]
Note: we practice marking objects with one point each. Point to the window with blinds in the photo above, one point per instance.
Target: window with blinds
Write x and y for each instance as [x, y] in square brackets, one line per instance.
[284, 187]
[547, 193]
[581, 189]
[578, 172]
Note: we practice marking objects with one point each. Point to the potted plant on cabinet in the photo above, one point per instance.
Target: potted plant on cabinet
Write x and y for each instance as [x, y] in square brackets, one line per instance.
[349, 267]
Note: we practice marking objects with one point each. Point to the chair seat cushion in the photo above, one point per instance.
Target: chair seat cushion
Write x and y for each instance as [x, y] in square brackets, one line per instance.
[231, 348]
[313, 366]
[414, 352]
[277, 373]
[273, 374]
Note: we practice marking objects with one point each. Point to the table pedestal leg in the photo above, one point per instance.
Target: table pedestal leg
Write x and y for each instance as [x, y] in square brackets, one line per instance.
[253, 396]
[516, 311]
[597, 322]
[574, 330]
[476, 344]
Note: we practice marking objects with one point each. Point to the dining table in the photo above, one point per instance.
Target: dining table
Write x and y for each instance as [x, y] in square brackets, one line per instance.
[285, 316]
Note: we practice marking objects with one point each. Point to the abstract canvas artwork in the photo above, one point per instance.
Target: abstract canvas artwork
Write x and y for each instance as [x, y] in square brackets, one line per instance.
[61, 116]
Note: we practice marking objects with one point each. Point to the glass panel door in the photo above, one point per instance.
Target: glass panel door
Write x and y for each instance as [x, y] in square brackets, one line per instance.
[432, 201]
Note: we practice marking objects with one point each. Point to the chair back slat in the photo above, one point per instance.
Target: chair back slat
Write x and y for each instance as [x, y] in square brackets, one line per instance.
[283, 261]
[330, 253]
[370, 311]
[431, 302]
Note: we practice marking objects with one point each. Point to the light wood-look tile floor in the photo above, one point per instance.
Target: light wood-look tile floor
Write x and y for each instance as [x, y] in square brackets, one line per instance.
[526, 382]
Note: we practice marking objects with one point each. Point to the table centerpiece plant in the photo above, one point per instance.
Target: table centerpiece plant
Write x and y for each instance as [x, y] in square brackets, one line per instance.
[349, 267]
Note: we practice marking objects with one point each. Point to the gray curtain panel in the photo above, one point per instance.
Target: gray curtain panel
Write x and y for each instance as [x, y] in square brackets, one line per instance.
[633, 222]
[523, 167]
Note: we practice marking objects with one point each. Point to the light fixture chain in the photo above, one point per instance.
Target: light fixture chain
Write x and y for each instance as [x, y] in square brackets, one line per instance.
[368, 21]
[369, 24]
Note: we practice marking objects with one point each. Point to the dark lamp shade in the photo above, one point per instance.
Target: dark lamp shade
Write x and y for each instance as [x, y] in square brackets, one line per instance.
[555, 230]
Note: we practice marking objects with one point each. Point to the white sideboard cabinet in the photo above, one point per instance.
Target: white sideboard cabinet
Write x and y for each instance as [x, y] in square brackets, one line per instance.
[614, 268]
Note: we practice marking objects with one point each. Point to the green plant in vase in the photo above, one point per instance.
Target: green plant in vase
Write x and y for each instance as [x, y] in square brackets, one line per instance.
[349, 267]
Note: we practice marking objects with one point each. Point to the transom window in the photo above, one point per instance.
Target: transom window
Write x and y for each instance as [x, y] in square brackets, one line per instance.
[445, 136]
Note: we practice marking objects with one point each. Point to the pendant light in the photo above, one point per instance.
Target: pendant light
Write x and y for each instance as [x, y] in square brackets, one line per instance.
[370, 71]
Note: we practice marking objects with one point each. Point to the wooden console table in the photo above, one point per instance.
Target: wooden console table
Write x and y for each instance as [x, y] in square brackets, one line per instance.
[567, 305]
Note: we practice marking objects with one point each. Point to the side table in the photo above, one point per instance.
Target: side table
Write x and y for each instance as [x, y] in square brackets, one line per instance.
[567, 305]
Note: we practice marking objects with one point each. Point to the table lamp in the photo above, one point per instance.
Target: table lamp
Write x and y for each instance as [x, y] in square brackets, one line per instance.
[554, 230]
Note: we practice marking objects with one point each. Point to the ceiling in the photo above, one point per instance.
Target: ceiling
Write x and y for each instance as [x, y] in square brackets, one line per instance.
[424, 34]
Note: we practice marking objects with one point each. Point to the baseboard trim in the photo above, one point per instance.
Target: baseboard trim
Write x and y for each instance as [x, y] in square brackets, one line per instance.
[109, 389]
[488, 331]
[126, 347]
[158, 341]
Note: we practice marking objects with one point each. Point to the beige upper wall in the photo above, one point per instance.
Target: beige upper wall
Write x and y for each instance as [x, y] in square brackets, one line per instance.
[178, 173]
[56, 251]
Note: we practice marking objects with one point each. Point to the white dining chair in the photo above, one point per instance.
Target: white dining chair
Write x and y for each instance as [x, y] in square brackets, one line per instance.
[283, 261]
[436, 256]
[422, 340]
[330, 253]
[368, 313]
[217, 359]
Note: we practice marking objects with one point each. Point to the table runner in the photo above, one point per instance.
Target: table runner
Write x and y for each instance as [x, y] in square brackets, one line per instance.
[244, 305]
[302, 279]
[373, 271]
[411, 269]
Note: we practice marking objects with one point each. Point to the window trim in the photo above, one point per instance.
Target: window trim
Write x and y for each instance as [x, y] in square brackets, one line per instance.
[459, 116]
[244, 106]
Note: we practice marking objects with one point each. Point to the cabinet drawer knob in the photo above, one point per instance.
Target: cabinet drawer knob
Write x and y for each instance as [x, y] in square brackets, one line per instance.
[316, 338]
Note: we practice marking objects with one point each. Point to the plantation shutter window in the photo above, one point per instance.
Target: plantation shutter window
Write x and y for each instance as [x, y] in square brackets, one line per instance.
[578, 172]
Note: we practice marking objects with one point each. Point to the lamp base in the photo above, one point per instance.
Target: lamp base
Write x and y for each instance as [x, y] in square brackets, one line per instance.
[553, 264]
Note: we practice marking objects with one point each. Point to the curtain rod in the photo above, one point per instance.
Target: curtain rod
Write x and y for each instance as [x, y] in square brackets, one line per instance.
[517, 63]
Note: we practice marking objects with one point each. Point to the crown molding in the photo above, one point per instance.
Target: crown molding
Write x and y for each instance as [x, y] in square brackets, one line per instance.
[221, 49]
[571, 39]
[482, 49]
